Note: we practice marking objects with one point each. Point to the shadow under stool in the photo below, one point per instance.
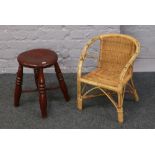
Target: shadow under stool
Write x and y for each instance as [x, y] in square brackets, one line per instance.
[38, 59]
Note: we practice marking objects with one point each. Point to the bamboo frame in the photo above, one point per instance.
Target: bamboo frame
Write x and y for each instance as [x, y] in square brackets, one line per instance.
[127, 49]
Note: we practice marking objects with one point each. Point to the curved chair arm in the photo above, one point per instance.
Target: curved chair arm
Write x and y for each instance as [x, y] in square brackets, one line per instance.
[84, 54]
[130, 63]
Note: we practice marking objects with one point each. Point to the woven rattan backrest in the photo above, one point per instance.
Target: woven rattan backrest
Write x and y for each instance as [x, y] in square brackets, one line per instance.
[116, 50]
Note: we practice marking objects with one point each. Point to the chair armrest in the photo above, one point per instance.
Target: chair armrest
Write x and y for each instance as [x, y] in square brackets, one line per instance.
[84, 54]
[130, 63]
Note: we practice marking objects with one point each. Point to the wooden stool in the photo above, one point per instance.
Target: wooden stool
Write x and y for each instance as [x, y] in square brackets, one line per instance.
[38, 59]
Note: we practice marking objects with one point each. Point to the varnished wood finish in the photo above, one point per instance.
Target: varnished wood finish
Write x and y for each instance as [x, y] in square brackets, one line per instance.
[36, 90]
[61, 82]
[36, 76]
[42, 93]
[18, 87]
[38, 59]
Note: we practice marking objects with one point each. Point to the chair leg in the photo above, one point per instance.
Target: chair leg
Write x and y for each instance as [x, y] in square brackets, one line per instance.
[61, 82]
[120, 108]
[42, 93]
[18, 87]
[136, 97]
[79, 96]
[36, 77]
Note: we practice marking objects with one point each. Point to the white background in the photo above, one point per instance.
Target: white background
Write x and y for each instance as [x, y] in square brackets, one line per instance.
[77, 142]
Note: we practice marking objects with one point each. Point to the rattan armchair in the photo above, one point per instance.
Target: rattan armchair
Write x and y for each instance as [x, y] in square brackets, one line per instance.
[114, 71]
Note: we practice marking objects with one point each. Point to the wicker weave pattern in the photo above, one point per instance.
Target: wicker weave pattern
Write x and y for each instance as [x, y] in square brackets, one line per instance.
[114, 71]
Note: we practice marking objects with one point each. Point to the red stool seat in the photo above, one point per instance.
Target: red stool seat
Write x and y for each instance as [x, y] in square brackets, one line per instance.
[38, 58]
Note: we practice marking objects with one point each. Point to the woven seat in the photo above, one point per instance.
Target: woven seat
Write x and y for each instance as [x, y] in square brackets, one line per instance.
[113, 72]
[105, 78]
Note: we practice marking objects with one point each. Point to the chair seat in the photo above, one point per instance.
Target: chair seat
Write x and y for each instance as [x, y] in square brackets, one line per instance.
[104, 78]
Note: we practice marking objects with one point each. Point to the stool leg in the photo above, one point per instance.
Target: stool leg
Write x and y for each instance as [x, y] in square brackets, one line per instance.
[18, 87]
[36, 77]
[42, 93]
[61, 82]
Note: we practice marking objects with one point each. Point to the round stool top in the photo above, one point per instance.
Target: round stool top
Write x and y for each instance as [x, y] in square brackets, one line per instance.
[38, 58]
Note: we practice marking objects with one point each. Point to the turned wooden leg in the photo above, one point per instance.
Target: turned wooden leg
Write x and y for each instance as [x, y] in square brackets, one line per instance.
[36, 77]
[61, 82]
[42, 93]
[18, 87]
[120, 108]
[79, 96]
